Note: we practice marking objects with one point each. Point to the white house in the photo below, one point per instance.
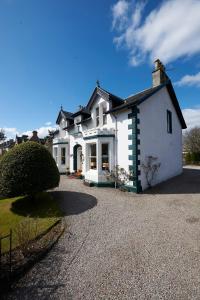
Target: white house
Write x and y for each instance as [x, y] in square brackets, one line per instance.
[110, 131]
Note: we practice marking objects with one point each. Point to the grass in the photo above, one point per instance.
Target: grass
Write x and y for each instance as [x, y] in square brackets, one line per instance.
[14, 211]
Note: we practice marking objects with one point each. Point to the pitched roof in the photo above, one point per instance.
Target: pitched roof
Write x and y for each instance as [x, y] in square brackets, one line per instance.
[146, 94]
[107, 95]
[64, 114]
[82, 111]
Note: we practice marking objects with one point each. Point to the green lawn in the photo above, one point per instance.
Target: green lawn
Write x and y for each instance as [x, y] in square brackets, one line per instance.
[13, 211]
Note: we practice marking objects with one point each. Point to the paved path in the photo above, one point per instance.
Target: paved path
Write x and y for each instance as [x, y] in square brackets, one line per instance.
[123, 246]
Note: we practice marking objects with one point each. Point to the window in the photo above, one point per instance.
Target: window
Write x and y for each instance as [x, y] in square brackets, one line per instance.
[63, 123]
[169, 121]
[97, 116]
[93, 156]
[104, 116]
[63, 152]
[56, 154]
[105, 157]
[78, 128]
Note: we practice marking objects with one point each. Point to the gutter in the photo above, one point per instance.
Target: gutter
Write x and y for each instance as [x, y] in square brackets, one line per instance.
[116, 152]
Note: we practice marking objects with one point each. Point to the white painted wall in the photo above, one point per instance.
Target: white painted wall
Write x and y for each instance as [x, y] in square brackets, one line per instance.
[61, 167]
[122, 139]
[156, 141]
[62, 140]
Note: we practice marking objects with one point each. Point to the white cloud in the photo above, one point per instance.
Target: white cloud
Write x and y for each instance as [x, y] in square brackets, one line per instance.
[169, 32]
[42, 131]
[11, 132]
[48, 123]
[189, 80]
[192, 117]
[119, 12]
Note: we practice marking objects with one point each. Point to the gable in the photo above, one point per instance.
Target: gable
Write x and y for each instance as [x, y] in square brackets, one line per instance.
[64, 115]
[99, 92]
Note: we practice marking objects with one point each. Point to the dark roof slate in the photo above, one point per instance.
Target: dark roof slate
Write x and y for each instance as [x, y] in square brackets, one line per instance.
[107, 95]
[64, 114]
[82, 111]
[146, 94]
[120, 104]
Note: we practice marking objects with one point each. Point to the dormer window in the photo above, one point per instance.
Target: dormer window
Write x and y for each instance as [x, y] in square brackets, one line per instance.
[97, 116]
[104, 116]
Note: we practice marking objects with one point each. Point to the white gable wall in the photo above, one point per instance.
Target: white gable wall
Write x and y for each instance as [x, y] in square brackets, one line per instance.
[156, 141]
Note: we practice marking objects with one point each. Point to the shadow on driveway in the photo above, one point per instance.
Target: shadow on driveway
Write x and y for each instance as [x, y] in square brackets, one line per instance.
[186, 183]
[74, 203]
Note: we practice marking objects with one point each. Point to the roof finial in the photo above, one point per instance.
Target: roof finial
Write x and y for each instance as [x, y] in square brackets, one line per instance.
[61, 107]
[98, 83]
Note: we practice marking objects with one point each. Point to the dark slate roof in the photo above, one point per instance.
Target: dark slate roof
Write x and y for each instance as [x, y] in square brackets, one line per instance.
[146, 94]
[21, 139]
[67, 114]
[82, 111]
[64, 114]
[107, 95]
[134, 99]
[115, 99]
[120, 104]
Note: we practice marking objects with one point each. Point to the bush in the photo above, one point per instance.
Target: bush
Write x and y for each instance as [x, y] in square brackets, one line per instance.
[188, 158]
[27, 169]
[193, 157]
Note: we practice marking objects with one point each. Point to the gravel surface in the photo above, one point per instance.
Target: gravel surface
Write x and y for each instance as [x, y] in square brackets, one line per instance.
[122, 245]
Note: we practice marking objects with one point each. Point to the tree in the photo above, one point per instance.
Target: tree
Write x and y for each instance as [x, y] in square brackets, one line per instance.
[27, 169]
[2, 135]
[191, 140]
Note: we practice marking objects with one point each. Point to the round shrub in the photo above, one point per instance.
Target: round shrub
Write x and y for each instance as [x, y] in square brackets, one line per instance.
[27, 169]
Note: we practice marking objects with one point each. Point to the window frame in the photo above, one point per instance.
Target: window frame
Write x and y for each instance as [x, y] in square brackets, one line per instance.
[63, 156]
[104, 115]
[97, 116]
[56, 154]
[104, 156]
[169, 121]
[92, 156]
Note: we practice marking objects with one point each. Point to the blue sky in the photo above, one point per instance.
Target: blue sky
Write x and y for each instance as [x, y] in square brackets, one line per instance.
[52, 52]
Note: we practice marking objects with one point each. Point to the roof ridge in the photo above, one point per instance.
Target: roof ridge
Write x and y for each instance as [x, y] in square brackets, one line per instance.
[145, 90]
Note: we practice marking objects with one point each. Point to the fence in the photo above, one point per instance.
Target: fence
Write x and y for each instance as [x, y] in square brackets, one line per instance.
[6, 266]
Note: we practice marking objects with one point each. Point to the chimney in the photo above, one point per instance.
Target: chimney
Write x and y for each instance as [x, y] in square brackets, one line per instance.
[34, 137]
[158, 75]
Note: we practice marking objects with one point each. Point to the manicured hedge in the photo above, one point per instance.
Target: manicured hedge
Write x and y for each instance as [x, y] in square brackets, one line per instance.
[192, 157]
[27, 169]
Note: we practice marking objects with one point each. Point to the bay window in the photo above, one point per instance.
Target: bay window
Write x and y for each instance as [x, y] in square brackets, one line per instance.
[93, 156]
[105, 156]
[63, 155]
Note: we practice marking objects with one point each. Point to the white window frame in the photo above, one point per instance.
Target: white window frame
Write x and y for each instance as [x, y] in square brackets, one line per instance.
[92, 156]
[97, 116]
[104, 115]
[61, 156]
[105, 156]
[56, 154]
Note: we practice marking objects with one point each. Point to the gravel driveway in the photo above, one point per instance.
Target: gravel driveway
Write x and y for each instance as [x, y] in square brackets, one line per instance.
[122, 245]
